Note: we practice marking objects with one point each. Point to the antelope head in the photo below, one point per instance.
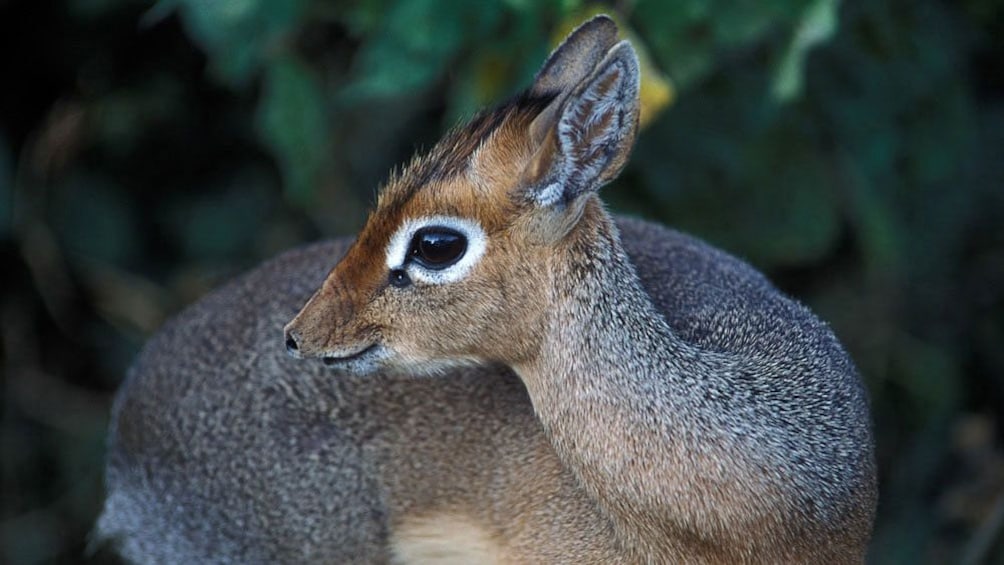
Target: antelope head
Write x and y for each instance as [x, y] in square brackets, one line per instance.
[452, 263]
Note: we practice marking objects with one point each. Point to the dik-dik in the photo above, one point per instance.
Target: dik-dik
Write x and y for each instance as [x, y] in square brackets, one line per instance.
[498, 371]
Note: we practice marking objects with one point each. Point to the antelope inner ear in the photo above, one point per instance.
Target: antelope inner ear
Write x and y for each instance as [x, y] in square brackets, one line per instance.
[542, 133]
[542, 126]
[584, 140]
[571, 62]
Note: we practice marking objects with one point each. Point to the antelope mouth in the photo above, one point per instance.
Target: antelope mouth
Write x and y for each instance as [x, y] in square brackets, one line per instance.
[333, 360]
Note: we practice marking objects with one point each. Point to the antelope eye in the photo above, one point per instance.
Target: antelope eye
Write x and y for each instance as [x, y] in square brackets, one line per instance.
[437, 248]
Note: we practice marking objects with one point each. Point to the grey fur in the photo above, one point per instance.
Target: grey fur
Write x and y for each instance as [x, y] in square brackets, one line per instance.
[223, 449]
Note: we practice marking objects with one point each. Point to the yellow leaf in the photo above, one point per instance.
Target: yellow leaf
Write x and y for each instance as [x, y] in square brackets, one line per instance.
[657, 91]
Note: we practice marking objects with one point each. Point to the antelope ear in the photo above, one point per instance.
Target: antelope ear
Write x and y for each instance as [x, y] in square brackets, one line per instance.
[585, 143]
[576, 58]
[569, 64]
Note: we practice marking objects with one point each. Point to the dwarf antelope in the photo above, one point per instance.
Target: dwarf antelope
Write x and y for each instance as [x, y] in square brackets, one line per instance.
[498, 371]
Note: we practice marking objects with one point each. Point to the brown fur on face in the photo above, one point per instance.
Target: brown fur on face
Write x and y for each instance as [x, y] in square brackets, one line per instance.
[474, 173]
[523, 173]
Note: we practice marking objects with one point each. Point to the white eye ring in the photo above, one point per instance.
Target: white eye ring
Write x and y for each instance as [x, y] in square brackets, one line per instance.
[397, 248]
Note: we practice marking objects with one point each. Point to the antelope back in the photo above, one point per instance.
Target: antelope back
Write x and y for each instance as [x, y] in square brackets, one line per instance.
[446, 269]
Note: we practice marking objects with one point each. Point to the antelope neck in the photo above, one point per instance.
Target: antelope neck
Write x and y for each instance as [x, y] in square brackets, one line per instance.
[616, 390]
[604, 335]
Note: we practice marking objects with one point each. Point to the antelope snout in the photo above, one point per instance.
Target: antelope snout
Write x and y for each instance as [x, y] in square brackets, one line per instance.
[306, 339]
[323, 330]
[292, 342]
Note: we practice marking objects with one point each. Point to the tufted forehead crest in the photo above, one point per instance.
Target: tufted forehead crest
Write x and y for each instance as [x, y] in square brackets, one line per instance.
[451, 156]
[531, 113]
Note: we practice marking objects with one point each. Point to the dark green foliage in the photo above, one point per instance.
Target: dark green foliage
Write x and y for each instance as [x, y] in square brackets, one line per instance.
[854, 151]
[292, 120]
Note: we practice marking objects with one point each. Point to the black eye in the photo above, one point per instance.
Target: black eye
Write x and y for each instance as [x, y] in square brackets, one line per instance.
[437, 248]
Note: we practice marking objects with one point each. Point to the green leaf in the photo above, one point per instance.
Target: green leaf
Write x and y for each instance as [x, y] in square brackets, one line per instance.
[92, 218]
[236, 34]
[292, 120]
[930, 375]
[680, 37]
[418, 40]
[817, 25]
[751, 178]
[122, 117]
[747, 22]
[496, 69]
[223, 220]
[364, 16]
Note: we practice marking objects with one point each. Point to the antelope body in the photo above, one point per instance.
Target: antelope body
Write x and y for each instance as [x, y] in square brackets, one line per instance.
[509, 375]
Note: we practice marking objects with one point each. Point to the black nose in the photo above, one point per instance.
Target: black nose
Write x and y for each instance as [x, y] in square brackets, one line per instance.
[292, 347]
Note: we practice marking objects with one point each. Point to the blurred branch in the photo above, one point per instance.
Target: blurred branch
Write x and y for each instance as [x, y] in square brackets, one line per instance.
[47, 152]
[979, 546]
[128, 302]
[43, 397]
[54, 402]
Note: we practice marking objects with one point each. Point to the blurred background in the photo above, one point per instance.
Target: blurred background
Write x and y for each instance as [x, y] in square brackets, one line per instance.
[854, 151]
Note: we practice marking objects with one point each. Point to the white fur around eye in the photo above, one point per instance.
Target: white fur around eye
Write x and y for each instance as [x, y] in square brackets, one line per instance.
[397, 249]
